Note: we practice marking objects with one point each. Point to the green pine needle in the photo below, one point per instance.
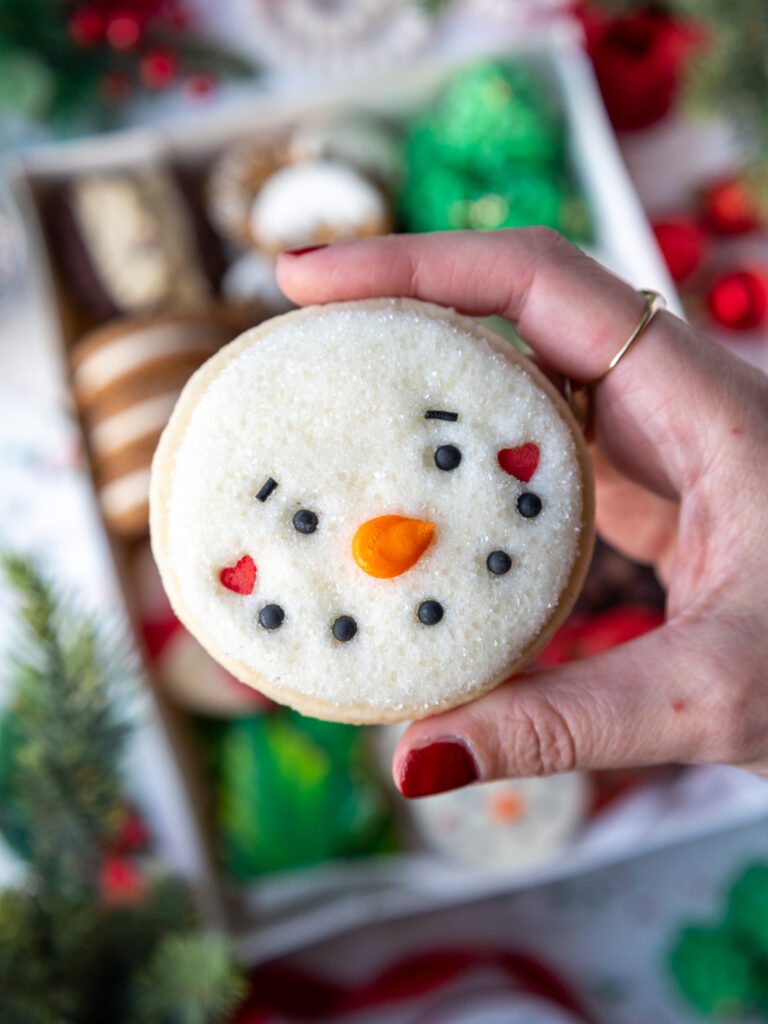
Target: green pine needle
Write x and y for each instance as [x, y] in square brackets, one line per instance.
[71, 731]
[191, 980]
[68, 955]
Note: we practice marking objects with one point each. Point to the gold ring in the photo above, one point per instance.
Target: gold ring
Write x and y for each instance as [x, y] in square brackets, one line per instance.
[578, 395]
[653, 303]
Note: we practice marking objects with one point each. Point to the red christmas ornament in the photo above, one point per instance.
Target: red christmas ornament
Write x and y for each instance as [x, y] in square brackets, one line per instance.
[638, 59]
[158, 68]
[738, 300]
[121, 882]
[123, 30]
[684, 245]
[86, 26]
[729, 209]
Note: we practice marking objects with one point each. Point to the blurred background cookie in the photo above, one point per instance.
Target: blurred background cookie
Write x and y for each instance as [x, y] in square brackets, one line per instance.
[132, 241]
[357, 138]
[511, 825]
[328, 180]
[126, 377]
[234, 179]
[315, 202]
[292, 791]
[491, 152]
[250, 281]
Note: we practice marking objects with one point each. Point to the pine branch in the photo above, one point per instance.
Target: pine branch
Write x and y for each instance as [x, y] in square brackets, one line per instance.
[71, 733]
[191, 980]
[68, 953]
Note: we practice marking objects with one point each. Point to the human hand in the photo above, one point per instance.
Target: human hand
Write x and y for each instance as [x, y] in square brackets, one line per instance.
[681, 465]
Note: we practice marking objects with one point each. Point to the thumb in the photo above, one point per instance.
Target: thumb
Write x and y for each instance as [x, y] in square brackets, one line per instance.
[637, 704]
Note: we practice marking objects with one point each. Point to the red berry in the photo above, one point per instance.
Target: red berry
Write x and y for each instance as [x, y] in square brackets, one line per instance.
[738, 300]
[683, 244]
[730, 209]
[158, 69]
[121, 882]
[86, 26]
[199, 86]
[123, 30]
[131, 835]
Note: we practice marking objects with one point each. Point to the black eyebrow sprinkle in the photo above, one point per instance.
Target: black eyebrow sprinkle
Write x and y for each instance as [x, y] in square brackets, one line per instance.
[441, 414]
[267, 489]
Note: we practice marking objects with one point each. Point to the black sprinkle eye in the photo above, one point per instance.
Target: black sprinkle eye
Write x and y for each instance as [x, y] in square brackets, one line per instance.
[430, 612]
[305, 521]
[344, 628]
[529, 504]
[447, 457]
[271, 616]
[498, 563]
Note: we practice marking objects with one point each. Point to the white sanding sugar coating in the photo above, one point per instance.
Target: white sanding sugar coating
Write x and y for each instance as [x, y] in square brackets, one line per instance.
[332, 407]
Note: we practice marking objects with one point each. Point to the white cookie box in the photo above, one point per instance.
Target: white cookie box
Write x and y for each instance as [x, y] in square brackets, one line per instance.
[284, 913]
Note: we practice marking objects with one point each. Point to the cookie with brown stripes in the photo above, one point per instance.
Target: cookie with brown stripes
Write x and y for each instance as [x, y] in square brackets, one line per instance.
[126, 377]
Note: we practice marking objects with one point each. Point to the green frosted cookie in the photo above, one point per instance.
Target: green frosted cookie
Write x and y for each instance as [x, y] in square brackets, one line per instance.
[294, 791]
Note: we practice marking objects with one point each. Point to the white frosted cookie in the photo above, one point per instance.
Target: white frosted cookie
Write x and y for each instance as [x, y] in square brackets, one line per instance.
[510, 825]
[371, 511]
[314, 202]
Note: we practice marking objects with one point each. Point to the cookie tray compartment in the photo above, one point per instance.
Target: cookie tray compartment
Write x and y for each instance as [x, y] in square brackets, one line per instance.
[284, 912]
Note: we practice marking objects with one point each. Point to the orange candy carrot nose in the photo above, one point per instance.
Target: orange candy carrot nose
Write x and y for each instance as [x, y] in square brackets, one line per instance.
[389, 545]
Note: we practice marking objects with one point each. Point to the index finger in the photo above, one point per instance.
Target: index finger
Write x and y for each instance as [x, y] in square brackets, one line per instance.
[653, 415]
[553, 293]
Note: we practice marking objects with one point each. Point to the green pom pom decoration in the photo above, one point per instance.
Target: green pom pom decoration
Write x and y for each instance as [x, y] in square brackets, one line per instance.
[713, 973]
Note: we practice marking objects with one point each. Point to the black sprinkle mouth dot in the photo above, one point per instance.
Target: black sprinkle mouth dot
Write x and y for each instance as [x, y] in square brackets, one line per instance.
[529, 505]
[271, 616]
[305, 521]
[441, 414]
[266, 489]
[430, 612]
[447, 457]
[344, 628]
[498, 563]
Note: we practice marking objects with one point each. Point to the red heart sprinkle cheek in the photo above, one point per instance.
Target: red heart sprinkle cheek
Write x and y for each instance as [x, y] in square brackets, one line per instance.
[520, 462]
[240, 577]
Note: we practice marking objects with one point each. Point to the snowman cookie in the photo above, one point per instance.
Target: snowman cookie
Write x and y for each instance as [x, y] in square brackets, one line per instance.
[371, 511]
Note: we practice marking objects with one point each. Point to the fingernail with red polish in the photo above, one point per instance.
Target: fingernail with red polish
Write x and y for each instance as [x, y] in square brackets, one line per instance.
[307, 248]
[436, 768]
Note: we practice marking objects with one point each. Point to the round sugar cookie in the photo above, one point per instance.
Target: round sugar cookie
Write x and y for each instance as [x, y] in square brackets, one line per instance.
[371, 511]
